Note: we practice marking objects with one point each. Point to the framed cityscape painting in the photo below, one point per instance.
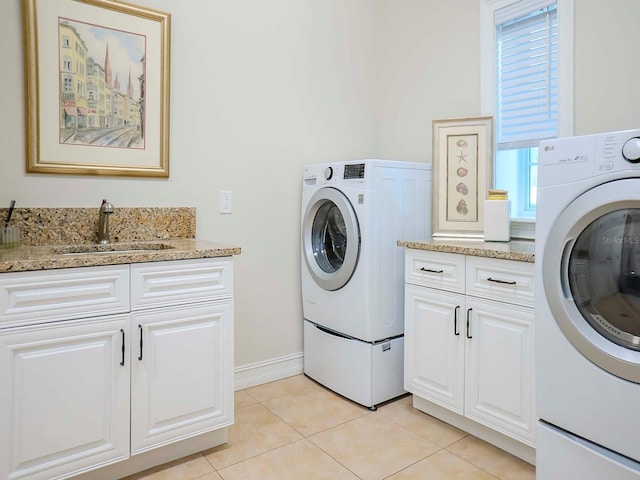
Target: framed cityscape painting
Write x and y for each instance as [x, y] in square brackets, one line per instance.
[97, 88]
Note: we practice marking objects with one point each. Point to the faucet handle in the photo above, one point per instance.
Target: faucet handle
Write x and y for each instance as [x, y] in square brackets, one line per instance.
[107, 206]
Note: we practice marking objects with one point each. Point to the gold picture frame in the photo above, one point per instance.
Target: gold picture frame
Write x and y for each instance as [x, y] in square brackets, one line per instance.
[97, 88]
[462, 175]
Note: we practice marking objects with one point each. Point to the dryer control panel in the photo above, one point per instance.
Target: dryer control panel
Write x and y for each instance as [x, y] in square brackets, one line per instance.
[631, 150]
[575, 158]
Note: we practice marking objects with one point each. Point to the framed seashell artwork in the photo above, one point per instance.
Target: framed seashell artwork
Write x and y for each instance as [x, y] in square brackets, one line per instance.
[462, 175]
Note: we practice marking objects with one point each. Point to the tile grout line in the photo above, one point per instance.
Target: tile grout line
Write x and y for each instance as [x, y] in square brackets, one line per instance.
[307, 437]
[364, 413]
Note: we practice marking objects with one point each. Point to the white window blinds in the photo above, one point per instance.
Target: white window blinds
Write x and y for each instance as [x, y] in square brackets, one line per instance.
[526, 74]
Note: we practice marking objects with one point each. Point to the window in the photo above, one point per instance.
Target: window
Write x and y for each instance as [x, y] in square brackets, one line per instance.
[67, 84]
[526, 86]
[526, 80]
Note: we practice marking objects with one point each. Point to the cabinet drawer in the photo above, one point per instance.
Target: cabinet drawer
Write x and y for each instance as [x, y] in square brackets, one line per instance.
[503, 280]
[181, 281]
[435, 269]
[52, 295]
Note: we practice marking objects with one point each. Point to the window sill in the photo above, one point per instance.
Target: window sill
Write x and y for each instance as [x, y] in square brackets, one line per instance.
[523, 229]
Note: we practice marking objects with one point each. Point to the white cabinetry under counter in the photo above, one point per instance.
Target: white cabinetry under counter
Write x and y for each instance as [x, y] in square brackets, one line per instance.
[182, 334]
[469, 324]
[109, 370]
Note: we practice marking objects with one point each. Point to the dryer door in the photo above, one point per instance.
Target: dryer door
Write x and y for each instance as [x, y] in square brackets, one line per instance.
[591, 276]
[330, 238]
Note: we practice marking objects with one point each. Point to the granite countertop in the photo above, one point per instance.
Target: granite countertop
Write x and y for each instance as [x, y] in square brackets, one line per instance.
[30, 258]
[521, 250]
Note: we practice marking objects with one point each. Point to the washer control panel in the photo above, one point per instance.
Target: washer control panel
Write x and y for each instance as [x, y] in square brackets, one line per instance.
[334, 173]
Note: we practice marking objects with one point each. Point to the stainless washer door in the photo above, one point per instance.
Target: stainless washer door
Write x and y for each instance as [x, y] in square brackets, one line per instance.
[591, 276]
[330, 238]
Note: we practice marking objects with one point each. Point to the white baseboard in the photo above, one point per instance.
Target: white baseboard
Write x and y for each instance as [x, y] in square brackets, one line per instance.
[268, 371]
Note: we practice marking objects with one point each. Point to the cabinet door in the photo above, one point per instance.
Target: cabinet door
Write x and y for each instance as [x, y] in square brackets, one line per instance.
[499, 388]
[434, 346]
[64, 400]
[182, 373]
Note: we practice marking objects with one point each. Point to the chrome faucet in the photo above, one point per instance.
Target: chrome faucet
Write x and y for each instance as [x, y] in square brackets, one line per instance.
[106, 209]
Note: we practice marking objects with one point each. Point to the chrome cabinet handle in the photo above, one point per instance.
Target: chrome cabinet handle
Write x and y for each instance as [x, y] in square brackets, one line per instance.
[505, 282]
[469, 323]
[455, 321]
[122, 361]
[430, 270]
[140, 329]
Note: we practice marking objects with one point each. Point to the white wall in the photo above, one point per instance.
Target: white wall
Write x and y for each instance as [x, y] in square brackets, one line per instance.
[262, 87]
[607, 69]
[429, 61]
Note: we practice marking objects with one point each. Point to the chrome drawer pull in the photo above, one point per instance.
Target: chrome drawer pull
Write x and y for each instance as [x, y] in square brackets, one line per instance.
[422, 269]
[501, 281]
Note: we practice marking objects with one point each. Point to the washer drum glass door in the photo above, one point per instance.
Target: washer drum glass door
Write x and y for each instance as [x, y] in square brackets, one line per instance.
[330, 238]
[591, 275]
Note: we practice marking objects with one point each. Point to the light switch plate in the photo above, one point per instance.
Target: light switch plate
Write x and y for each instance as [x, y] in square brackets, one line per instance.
[225, 202]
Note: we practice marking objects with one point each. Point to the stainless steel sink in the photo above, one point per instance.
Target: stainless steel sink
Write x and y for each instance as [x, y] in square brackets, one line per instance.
[111, 248]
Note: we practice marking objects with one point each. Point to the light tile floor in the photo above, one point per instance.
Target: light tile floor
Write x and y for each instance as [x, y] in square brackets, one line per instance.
[296, 429]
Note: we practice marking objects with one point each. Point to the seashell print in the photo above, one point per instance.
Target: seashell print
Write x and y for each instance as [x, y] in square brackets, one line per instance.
[462, 208]
[462, 172]
[462, 188]
[461, 143]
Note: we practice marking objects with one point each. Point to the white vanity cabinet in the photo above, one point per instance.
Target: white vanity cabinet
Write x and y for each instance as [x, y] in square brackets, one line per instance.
[434, 330]
[104, 366]
[182, 352]
[64, 370]
[469, 344]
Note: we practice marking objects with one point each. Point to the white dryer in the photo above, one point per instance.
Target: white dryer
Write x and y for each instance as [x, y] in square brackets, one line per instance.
[353, 214]
[588, 307]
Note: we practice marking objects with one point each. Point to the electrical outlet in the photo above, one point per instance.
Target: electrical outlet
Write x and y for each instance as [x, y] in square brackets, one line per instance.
[225, 202]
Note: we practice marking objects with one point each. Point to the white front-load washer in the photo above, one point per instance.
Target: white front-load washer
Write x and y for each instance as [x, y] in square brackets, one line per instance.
[587, 344]
[353, 214]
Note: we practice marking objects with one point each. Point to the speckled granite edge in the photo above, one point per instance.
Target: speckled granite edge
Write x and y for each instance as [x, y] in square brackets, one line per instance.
[63, 226]
[519, 250]
[50, 236]
[32, 258]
